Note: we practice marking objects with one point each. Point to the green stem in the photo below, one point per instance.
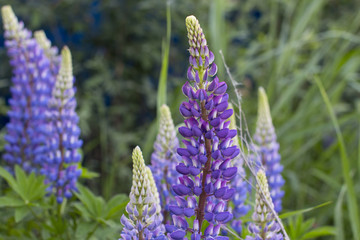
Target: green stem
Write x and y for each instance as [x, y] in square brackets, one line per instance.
[92, 231]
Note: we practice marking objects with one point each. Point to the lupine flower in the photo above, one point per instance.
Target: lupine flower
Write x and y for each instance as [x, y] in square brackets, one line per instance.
[264, 226]
[267, 149]
[31, 90]
[239, 184]
[61, 165]
[164, 159]
[144, 221]
[51, 52]
[202, 191]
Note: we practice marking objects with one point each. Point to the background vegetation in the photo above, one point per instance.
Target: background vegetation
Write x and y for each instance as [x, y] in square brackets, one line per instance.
[283, 45]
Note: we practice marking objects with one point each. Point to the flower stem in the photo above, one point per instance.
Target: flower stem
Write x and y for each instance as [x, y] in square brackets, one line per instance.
[206, 171]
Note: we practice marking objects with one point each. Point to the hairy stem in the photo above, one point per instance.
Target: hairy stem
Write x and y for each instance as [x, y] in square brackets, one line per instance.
[203, 196]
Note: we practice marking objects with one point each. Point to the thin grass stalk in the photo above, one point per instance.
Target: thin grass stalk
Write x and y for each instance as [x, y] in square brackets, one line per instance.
[345, 162]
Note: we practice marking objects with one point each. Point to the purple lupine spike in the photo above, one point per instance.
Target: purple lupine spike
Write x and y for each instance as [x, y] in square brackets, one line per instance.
[267, 150]
[238, 206]
[165, 158]
[203, 189]
[264, 225]
[31, 90]
[51, 52]
[144, 220]
[61, 166]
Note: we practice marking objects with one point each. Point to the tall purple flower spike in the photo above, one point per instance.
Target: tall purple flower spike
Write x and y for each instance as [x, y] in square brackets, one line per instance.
[267, 149]
[61, 165]
[202, 192]
[51, 52]
[238, 206]
[164, 160]
[144, 219]
[264, 225]
[26, 135]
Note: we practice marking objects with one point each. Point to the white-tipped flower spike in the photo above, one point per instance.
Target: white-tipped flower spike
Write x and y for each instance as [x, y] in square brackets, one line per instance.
[238, 183]
[264, 226]
[51, 52]
[164, 160]
[11, 23]
[143, 221]
[153, 189]
[61, 166]
[267, 149]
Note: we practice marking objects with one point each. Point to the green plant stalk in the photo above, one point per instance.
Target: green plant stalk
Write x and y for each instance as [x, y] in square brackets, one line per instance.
[161, 96]
[338, 216]
[351, 196]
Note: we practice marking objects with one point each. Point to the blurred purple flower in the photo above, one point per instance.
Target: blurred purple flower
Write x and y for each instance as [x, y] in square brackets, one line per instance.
[164, 160]
[61, 165]
[267, 150]
[32, 81]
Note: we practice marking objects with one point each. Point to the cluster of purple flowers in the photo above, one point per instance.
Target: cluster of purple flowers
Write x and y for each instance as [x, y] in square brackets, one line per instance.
[164, 160]
[31, 90]
[202, 191]
[267, 150]
[42, 135]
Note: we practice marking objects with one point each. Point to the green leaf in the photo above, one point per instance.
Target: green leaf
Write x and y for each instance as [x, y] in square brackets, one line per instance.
[94, 205]
[9, 201]
[20, 213]
[86, 173]
[83, 229]
[83, 210]
[319, 232]
[8, 177]
[116, 206]
[293, 213]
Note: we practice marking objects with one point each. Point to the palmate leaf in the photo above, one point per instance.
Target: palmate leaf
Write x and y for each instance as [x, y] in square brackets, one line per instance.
[29, 188]
[94, 207]
[27, 192]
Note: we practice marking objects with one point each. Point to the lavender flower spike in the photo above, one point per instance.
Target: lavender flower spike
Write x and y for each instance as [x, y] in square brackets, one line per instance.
[144, 218]
[267, 149]
[26, 135]
[61, 165]
[51, 52]
[202, 191]
[264, 226]
[164, 160]
[239, 208]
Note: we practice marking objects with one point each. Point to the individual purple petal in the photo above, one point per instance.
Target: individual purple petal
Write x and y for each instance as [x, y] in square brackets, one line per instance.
[185, 132]
[221, 89]
[213, 70]
[226, 114]
[190, 75]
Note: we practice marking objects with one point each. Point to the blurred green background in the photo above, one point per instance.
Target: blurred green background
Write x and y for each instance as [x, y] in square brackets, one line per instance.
[282, 45]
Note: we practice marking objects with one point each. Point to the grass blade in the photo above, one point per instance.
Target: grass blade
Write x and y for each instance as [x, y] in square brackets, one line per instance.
[351, 196]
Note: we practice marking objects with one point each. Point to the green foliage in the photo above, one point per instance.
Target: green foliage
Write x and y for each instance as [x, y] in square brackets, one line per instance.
[28, 192]
[29, 214]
